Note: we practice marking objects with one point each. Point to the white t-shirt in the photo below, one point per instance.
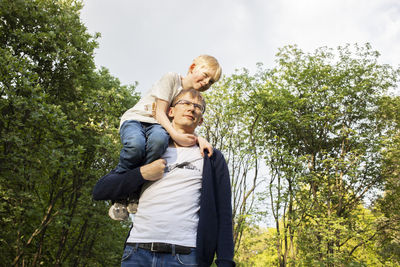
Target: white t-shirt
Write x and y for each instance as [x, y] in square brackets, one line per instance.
[167, 88]
[168, 208]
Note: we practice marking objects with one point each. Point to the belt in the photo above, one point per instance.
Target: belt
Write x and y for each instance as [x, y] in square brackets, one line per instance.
[162, 247]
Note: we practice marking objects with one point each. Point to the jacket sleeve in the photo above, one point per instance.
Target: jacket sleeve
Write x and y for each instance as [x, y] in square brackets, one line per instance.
[225, 246]
[114, 186]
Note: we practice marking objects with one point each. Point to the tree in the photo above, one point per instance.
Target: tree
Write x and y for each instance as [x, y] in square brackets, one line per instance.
[227, 128]
[58, 135]
[388, 241]
[315, 119]
[323, 143]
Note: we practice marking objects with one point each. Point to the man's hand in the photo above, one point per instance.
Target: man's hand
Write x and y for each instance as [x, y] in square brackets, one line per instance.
[204, 144]
[153, 171]
[185, 139]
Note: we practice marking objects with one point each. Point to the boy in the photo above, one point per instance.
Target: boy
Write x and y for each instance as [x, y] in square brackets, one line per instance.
[145, 137]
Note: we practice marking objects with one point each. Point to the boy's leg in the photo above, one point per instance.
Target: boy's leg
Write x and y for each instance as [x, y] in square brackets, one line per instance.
[134, 144]
[157, 142]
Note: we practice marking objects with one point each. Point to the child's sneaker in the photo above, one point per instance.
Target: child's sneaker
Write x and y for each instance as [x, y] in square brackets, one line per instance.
[118, 212]
[132, 206]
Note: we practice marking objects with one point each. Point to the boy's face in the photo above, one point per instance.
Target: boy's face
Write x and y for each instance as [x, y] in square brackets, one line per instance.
[201, 77]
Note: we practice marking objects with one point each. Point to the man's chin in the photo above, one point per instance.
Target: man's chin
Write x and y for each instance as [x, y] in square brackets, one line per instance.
[189, 127]
[189, 124]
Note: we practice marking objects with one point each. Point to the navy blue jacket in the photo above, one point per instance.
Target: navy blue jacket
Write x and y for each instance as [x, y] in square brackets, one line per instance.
[214, 232]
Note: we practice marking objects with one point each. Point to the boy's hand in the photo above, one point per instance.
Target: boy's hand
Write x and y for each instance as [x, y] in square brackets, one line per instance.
[185, 139]
[153, 109]
[153, 171]
[204, 144]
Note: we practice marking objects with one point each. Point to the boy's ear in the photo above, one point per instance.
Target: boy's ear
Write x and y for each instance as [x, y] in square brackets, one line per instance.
[191, 68]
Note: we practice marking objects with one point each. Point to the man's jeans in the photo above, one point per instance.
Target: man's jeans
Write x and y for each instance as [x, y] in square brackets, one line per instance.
[142, 143]
[135, 257]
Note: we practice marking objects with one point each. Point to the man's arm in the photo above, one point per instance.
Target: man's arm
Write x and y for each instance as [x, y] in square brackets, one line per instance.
[225, 246]
[114, 186]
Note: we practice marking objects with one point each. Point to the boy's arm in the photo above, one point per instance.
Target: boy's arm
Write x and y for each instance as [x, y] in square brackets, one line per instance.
[204, 144]
[161, 117]
[115, 186]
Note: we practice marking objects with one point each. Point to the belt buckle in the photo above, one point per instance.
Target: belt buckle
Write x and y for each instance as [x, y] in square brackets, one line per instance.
[151, 249]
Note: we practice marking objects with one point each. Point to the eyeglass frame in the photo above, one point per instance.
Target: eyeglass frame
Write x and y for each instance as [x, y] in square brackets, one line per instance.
[187, 102]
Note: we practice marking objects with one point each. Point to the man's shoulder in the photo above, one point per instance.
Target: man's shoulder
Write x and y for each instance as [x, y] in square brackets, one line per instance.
[217, 155]
[216, 151]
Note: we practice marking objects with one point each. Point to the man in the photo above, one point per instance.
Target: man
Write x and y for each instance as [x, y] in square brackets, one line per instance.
[184, 215]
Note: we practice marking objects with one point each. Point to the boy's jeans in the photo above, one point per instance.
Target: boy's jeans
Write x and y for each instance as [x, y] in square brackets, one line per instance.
[136, 257]
[142, 143]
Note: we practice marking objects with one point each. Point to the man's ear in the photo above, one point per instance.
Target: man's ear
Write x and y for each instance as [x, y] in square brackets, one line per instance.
[170, 112]
[200, 121]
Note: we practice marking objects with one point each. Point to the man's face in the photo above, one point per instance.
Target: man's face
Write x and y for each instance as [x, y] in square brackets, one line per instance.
[185, 115]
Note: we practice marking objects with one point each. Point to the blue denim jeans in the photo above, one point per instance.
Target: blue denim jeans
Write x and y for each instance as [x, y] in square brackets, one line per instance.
[135, 257]
[142, 143]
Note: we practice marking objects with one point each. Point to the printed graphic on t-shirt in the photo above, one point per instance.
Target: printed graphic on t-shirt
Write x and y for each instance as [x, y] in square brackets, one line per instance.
[184, 165]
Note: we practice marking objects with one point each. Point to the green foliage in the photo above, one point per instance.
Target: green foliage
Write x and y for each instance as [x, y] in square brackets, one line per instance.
[316, 121]
[227, 128]
[319, 114]
[389, 242]
[58, 135]
[257, 248]
[321, 122]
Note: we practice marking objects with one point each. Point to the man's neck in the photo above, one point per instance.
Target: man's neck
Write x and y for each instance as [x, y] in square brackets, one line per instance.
[174, 144]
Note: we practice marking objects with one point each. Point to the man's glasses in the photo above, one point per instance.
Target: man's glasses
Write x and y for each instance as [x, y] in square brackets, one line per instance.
[186, 103]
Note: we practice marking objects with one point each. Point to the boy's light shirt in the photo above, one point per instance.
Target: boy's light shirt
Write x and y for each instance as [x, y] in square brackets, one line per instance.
[168, 208]
[167, 88]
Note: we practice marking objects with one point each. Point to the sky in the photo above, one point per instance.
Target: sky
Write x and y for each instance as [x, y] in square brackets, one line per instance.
[142, 40]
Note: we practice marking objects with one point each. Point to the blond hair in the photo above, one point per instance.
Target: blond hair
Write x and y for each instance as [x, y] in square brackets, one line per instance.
[211, 63]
